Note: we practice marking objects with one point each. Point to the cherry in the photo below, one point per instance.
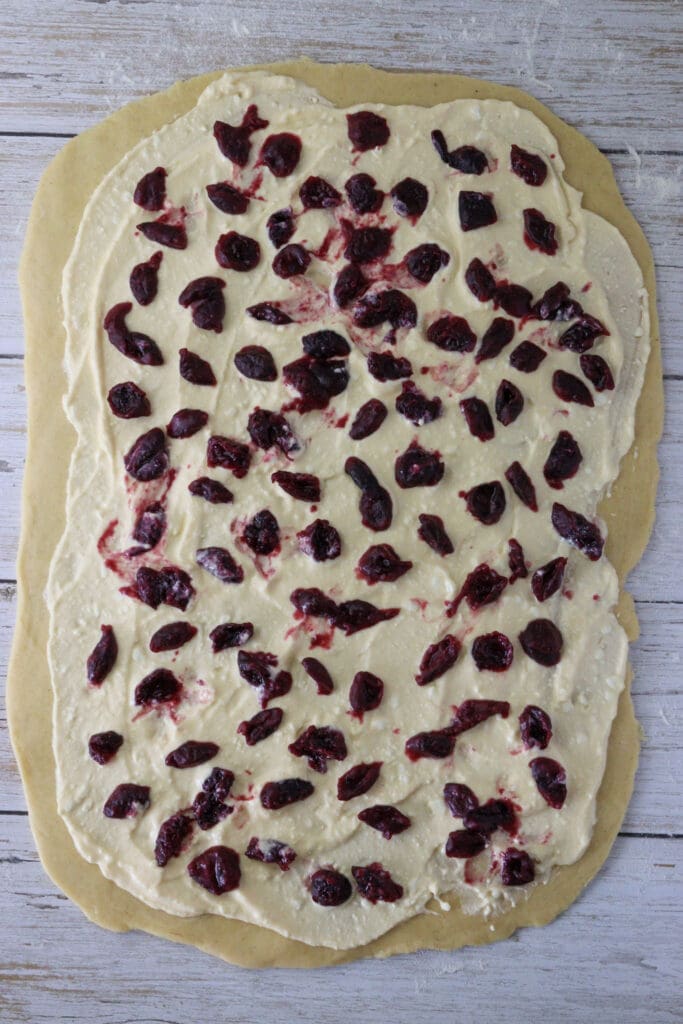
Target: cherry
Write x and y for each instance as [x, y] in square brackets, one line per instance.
[349, 284]
[465, 844]
[329, 888]
[228, 199]
[468, 160]
[452, 334]
[312, 601]
[527, 166]
[144, 279]
[578, 531]
[228, 454]
[261, 725]
[414, 405]
[563, 460]
[541, 641]
[262, 533]
[172, 837]
[486, 502]
[459, 799]
[555, 304]
[436, 745]
[551, 780]
[527, 357]
[367, 130]
[128, 401]
[319, 744]
[208, 809]
[237, 252]
[366, 245]
[220, 563]
[318, 194]
[362, 193]
[417, 467]
[104, 746]
[375, 506]
[103, 657]
[131, 344]
[216, 870]
[376, 884]
[150, 191]
[147, 458]
[280, 227]
[158, 687]
[368, 419]
[270, 851]
[480, 280]
[492, 652]
[570, 389]
[210, 490]
[381, 564]
[432, 531]
[384, 366]
[521, 484]
[256, 363]
[509, 402]
[191, 753]
[352, 616]
[269, 429]
[172, 636]
[476, 210]
[258, 669]
[391, 306]
[320, 541]
[319, 674]
[489, 817]
[230, 634]
[481, 587]
[186, 422]
[581, 335]
[291, 261]
[478, 418]
[437, 659]
[358, 780]
[317, 381]
[280, 153]
[234, 141]
[195, 370]
[218, 783]
[499, 334]
[514, 299]
[366, 692]
[597, 371]
[535, 727]
[539, 233]
[516, 561]
[473, 712]
[517, 867]
[424, 261]
[124, 801]
[302, 486]
[325, 345]
[174, 236]
[205, 297]
[385, 819]
[171, 586]
[410, 198]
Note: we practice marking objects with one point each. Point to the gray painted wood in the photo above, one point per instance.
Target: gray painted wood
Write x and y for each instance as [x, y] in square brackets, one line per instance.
[613, 70]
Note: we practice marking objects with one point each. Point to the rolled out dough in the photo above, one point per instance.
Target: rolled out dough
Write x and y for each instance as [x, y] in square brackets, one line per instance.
[628, 511]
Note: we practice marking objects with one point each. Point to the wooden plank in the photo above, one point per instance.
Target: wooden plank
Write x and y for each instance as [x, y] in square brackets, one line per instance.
[592, 963]
[655, 807]
[611, 68]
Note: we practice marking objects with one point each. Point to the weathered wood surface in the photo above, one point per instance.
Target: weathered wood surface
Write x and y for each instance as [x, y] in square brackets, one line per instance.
[613, 70]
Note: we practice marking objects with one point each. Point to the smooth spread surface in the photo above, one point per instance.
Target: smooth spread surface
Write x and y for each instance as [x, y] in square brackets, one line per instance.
[580, 694]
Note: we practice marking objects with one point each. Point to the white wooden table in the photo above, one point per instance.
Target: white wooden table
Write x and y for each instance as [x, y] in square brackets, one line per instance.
[610, 67]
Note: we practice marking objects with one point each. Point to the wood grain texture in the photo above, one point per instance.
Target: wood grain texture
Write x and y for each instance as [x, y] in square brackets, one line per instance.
[613, 70]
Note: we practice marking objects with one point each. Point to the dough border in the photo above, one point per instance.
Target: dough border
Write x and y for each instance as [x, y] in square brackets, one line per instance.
[629, 511]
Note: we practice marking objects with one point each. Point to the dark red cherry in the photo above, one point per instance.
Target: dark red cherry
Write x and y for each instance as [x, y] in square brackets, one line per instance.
[366, 245]
[234, 141]
[410, 198]
[414, 405]
[424, 261]
[316, 381]
[465, 844]
[478, 418]
[228, 454]
[362, 193]
[301, 486]
[228, 199]
[150, 191]
[270, 851]
[554, 304]
[381, 564]
[514, 299]
[551, 780]
[147, 458]
[432, 531]
[597, 371]
[527, 166]
[391, 306]
[262, 533]
[205, 297]
[256, 363]
[258, 668]
[480, 280]
[468, 160]
[368, 419]
[547, 580]
[280, 153]
[269, 429]
[103, 656]
[563, 460]
[195, 370]
[317, 194]
[539, 233]
[172, 838]
[125, 800]
[489, 817]
[509, 402]
[452, 334]
[437, 745]
[130, 344]
[358, 780]
[349, 284]
[521, 484]
[578, 531]
[220, 563]
[417, 467]
[312, 601]
[486, 502]
[104, 746]
[325, 345]
[260, 726]
[144, 279]
[385, 819]
[459, 799]
[352, 616]
[171, 586]
[217, 870]
[492, 652]
[186, 422]
[437, 659]
[499, 334]
[366, 692]
[535, 727]
[384, 366]
[319, 744]
[174, 236]
[581, 335]
[476, 210]
[280, 227]
[230, 634]
[375, 506]
[291, 261]
[320, 541]
[191, 753]
[376, 884]
[172, 636]
[329, 888]
[237, 252]
[276, 795]
[570, 389]
[541, 640]
[128, 401]
[516, 561]
[517, 867]
[269, 313]
[150, 525]
[319, 674]
[367, 130]
[481, 587]
[527, 357]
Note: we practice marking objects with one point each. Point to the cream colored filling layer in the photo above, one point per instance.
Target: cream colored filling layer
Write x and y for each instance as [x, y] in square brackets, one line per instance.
[580, 694]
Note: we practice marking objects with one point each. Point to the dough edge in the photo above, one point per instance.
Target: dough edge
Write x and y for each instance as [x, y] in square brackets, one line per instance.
[629, 511]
